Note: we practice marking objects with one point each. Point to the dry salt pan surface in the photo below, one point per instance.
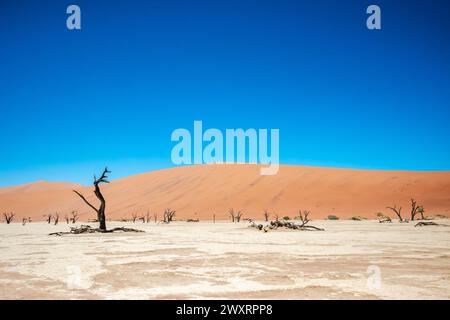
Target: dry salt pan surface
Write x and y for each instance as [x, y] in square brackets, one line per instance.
[349, 260]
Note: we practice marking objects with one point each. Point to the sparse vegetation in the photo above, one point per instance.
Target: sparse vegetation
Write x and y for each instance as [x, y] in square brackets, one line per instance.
[332, 217]
[286, 218]
[382, 218]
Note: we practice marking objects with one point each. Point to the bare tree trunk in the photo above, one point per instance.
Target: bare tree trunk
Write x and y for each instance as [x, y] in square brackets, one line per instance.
[414, 209]
[101, 210]
[266, 215]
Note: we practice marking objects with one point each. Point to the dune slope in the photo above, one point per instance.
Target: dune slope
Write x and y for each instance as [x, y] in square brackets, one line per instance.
[204, 190]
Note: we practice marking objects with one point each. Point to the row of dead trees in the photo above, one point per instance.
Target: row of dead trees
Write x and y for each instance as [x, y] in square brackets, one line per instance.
[168, 216]
[50, 218]
[54, 218]
[415, 210]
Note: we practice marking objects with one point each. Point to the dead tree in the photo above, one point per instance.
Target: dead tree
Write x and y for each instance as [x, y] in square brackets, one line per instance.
[276, 216]
[89, 229]
[239, 214]
[24, 221]
[266, 215]
[398, 212]
[169, 215]
[101, 210]
[74, 216]
[66, 217]
[56, 218]
[304, 217]
[232, 214]
[147, 217]
[414, 209]
[214, 218]
[155, 217]
[9, 217]
[133, 217]
[48, 218]
[421, 210]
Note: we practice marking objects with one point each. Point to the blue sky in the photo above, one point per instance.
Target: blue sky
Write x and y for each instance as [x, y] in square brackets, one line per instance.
[112, 93]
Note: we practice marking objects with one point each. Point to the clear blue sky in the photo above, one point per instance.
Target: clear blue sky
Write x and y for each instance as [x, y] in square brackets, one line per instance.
[111, 94]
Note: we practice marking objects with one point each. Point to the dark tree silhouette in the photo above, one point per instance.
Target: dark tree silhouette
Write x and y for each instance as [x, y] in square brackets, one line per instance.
[74, 216]
[168, 215]
[414, 209]
[239, 214]
[266, 215]
[232, 214]
[398, 212]
[56, 218]
[101, 210]
[9, 217]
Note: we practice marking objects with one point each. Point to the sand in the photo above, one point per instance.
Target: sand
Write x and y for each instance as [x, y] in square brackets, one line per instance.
[203, 190]
[227, 261]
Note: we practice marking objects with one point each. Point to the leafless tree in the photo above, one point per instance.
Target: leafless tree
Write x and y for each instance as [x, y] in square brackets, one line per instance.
[304, 217]
[24, 221]
[266, 215]
[147, 217]
[134, 217]
[56, 218]
[421, 210]
[214, 218]
[398, 212]
[48, 217]
[276, 217]
[74, 217]
[66, 217]
[169, 215]
[9, 217]
[239, 214]
[232, 214]
[414, 209]
[155, 217]
[101, 210]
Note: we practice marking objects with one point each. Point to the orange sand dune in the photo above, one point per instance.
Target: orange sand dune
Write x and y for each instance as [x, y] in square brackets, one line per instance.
[204, 190]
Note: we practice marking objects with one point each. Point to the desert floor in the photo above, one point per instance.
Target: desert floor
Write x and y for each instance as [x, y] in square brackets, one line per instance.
[229, 261]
